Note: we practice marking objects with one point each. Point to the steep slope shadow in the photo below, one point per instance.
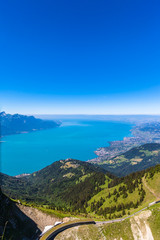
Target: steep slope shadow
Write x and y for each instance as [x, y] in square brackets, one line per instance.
[14, 224]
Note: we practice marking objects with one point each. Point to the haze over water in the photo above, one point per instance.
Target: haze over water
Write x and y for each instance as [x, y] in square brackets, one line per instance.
[76, 138]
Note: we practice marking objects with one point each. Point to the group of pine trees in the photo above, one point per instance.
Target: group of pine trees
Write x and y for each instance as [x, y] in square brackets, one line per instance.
[119, 207]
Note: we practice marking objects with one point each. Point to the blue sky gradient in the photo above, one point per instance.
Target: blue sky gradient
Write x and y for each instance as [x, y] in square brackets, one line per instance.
[89, 57]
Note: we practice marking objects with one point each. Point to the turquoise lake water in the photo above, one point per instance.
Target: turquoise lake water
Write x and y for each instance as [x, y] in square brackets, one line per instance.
[29, 152]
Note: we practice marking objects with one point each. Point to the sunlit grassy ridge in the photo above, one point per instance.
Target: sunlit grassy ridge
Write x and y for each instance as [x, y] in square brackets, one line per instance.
[127, 196]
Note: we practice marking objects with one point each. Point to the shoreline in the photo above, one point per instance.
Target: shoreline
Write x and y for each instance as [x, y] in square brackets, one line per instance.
[136, 137]
[76, 149]
[139, 137]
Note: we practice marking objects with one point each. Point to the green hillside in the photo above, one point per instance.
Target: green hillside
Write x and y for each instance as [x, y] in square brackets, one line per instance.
[65, 185]
[82, 188]
[125, 196]
[136, 159]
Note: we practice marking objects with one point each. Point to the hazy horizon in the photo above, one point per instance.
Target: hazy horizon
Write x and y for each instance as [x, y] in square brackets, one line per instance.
[120, 118]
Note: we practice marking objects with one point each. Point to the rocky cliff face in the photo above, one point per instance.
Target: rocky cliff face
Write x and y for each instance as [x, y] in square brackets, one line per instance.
[14, 224]
[40, 218]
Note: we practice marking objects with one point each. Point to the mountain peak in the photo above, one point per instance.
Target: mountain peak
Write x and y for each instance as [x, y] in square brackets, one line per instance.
[2, 114]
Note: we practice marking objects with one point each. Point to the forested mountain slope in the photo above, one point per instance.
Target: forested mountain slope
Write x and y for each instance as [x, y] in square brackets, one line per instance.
[79, 187]
[64, 184]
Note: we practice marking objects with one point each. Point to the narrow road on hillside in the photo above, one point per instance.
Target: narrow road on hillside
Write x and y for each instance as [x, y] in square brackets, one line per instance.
[53, 232]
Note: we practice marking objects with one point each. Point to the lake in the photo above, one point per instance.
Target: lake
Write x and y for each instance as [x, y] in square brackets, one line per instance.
[75, 138]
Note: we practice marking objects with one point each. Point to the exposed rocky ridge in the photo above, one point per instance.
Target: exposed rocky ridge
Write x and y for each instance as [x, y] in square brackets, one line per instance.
[40, 218]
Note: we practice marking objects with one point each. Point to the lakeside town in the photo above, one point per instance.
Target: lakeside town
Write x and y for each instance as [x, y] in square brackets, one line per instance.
[144, 132]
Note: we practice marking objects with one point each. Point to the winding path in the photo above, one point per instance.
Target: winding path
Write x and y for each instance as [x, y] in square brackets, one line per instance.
[53, 232]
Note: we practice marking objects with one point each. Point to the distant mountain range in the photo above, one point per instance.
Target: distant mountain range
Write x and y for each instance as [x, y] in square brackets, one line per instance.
[14, 124]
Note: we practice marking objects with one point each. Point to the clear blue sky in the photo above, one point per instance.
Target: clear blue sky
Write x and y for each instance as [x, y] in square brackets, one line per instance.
[80, 56]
